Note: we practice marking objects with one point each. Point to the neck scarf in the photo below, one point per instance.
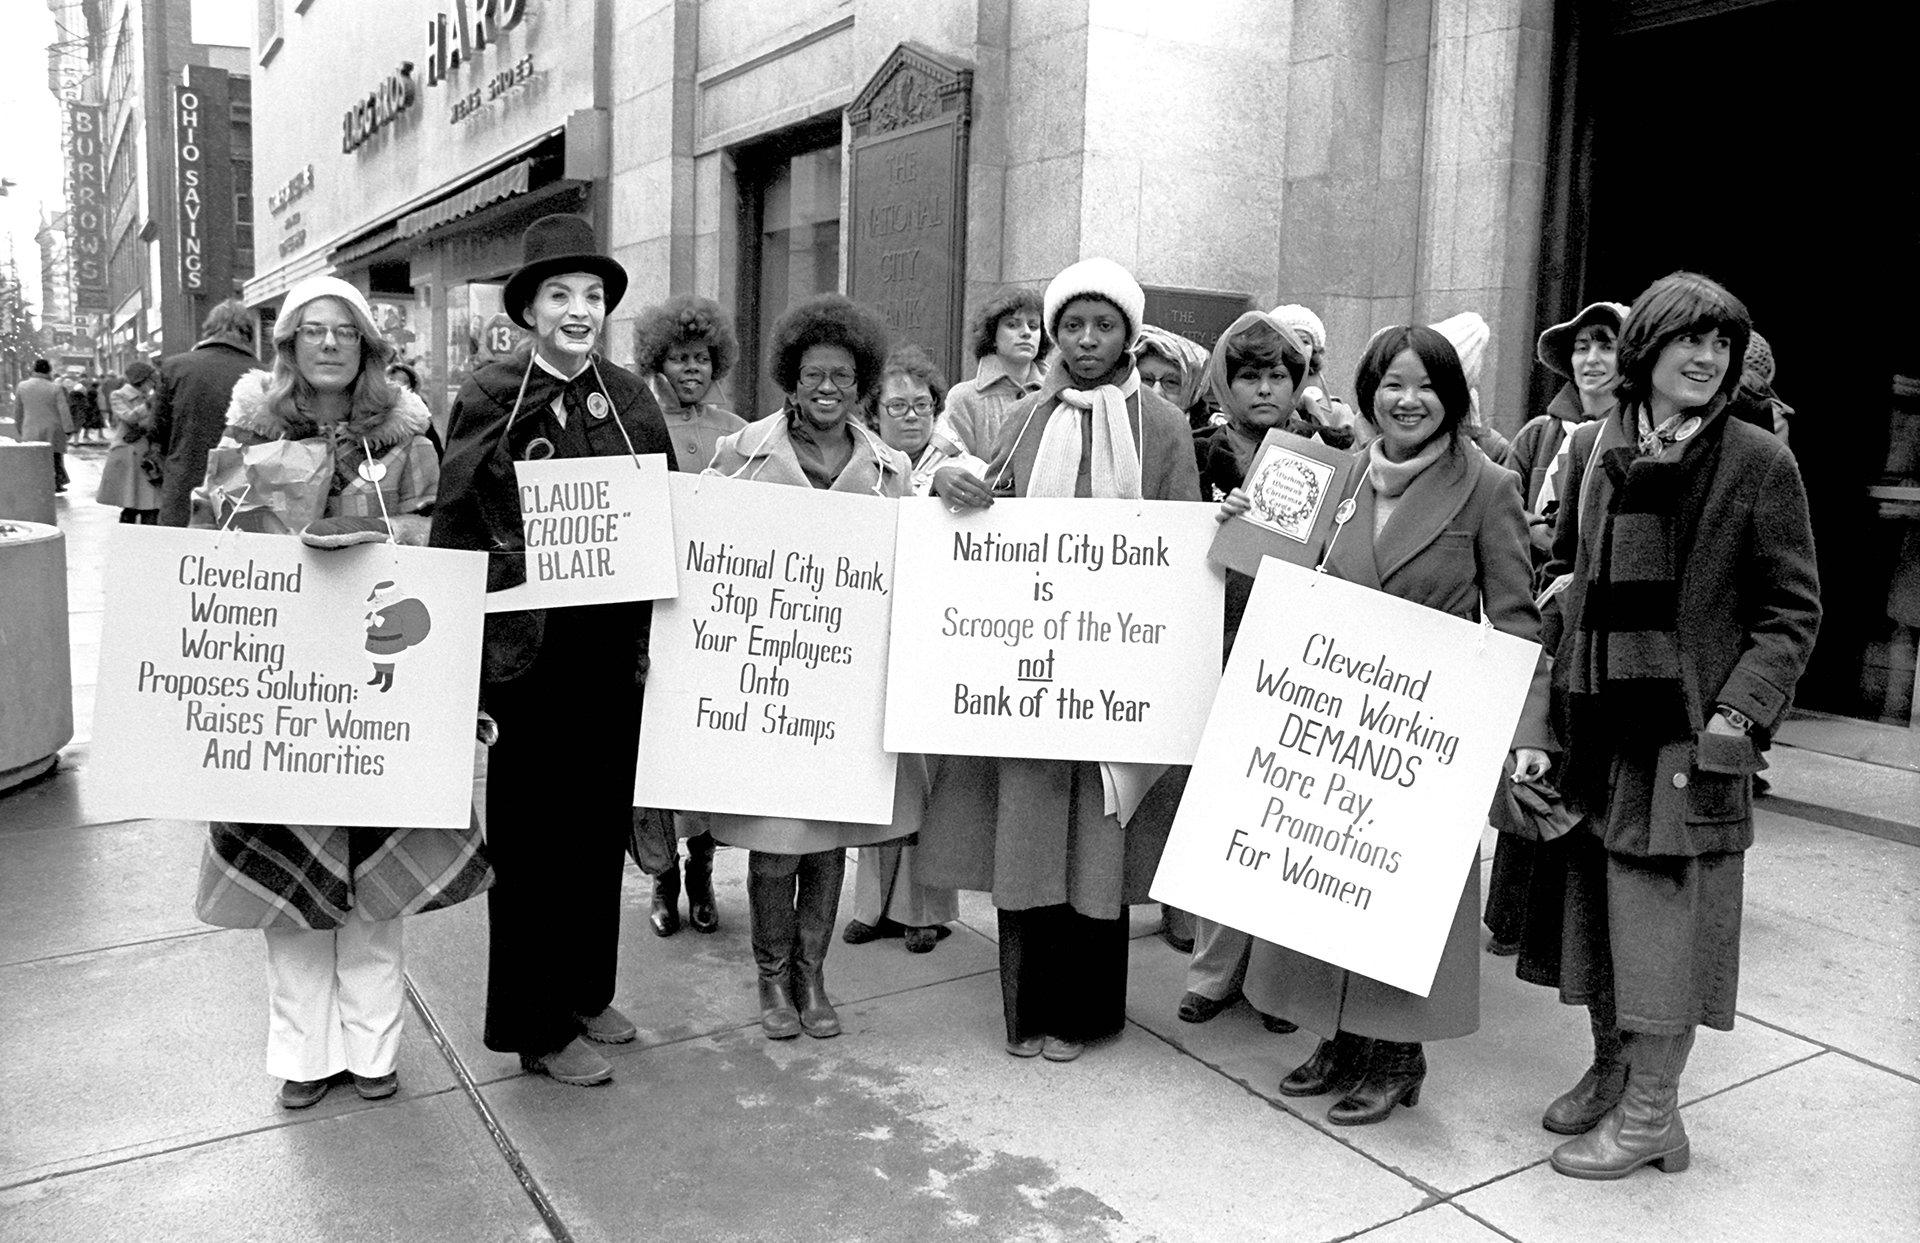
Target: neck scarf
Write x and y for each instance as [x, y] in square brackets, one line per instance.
[1390, 478]
[822, 453]
[1115, 460]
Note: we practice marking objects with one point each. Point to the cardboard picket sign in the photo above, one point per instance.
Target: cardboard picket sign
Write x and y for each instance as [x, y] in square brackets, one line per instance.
[1055, 629]
[767, 679]
[599, 531]
[1345, 773]
[251, 678]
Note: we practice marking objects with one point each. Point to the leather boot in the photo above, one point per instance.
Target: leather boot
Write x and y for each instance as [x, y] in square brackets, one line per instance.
[664, 916]
[770, 923]
[820, 877]
[1645, 1127]
[1577, 1109]
[1335, 1066]
[701, 915]
[1394, 1075]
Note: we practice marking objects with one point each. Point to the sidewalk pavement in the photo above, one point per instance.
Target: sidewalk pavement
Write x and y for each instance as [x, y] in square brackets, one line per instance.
[136, 1105]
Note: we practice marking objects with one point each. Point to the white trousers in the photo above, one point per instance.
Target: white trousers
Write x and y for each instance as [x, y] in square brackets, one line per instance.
[1219, 963]
[334, 999]
[883, 886]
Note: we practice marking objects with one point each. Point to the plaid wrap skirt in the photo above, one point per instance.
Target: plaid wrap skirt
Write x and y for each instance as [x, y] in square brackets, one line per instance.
[314, 876]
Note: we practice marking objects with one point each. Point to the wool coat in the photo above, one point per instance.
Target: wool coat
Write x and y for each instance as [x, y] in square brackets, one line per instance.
[190, 399]
[40, 412]
[1455, 542]
[764, 452]
[976, 409]
[694, 429]
[1036, 833]
[315, 876]
[122, 481]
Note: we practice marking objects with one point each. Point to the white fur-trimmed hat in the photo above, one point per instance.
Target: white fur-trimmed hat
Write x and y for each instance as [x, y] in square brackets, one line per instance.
[314, 287]
[1102, 278]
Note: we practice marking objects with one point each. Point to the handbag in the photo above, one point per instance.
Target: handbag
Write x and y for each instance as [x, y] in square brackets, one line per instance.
[652, 841]
[1531, 810]
[150, 464]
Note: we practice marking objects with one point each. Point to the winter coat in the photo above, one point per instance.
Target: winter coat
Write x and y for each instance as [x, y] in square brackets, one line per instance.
[190, 400]
[1035, 832]
[315, 876]
[764, 452]
[1456, 542]
[122, 481]
[976, 411]
[40, 412]
[696, 429]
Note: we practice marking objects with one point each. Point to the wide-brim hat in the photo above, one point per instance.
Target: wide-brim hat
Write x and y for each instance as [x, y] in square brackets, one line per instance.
[1555, 346]
[553, 246]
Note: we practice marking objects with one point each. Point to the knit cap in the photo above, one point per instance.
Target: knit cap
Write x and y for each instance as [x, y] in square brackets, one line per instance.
[1101, 278]
[1304, 323]
[1759, 364]
[1469, 335]
[315, 287]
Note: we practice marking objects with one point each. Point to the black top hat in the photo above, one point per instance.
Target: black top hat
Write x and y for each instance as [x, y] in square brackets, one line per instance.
[554, 246]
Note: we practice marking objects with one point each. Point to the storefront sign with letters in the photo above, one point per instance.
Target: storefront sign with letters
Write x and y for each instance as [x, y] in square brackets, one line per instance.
[1055, 629]
[1345, 774]
[251, 678]
[599, 531]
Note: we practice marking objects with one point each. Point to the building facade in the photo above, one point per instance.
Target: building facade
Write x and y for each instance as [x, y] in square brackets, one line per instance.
[1378, 160]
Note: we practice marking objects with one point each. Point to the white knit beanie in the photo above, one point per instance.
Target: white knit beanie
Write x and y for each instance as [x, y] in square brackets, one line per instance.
[1469, 334]
[288, 321]
[1102, 278]
[1304, 323]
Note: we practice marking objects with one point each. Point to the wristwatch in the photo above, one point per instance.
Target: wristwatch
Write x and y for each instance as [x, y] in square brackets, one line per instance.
[1736, 718]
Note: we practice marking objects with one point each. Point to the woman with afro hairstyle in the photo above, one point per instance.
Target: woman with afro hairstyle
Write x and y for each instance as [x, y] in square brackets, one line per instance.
[685, 347]
[1011, 344]
[828, 354]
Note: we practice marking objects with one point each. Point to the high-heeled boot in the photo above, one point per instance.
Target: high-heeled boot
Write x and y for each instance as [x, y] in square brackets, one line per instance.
[701, 914]
[770, 925]
[820, 878]
[1394, 1074]
[1335, 1066]
[1645, 1127]
[664, 914]
[1575, 1111]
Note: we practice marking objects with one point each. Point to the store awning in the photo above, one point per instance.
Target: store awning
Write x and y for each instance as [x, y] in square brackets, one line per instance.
[269, 285]
[504, 184]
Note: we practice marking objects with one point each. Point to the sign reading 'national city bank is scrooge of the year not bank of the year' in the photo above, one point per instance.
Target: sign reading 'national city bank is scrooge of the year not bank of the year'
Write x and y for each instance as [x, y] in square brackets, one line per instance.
[767, 673]
[1345, 774]
[1055, 629]
[599, 530]
[250, 678]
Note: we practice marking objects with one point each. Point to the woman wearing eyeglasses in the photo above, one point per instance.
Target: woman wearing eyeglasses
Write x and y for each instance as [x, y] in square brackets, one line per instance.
[317, 438]
[1174, 367]
[827, 355]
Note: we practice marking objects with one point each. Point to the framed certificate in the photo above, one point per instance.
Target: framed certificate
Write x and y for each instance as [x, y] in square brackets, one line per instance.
[1293, 487]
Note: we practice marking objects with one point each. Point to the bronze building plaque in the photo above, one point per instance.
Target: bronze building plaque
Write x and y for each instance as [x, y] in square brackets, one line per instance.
[1199, 315]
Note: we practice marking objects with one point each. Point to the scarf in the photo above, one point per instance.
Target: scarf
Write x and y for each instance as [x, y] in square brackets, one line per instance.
[1390, 479]
[1567, 408]
[1115, 460]
[822, 453]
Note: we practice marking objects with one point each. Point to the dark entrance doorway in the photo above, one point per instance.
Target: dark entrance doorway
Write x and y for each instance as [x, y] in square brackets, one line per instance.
[1760, 142]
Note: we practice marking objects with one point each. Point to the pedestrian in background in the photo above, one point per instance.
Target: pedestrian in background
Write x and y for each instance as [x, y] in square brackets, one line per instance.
[190, 401]
[1688, 616]
[1437, 523]
[130, 476]
[827, 355]
[1065, 846]
[1011, 348]
[563, 686]
[330, 899]
[40, 413]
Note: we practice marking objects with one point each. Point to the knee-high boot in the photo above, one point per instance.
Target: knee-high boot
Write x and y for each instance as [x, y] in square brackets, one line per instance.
[664, 913]
[771, 923]
[1645, 1127]
[701, 914]
[1577, 1109]
[820, 878]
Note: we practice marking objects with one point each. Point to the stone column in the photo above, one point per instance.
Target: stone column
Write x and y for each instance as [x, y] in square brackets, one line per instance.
[652, 164]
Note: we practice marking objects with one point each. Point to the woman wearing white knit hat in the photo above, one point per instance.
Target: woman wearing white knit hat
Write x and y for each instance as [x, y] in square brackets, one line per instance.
[1061, 855]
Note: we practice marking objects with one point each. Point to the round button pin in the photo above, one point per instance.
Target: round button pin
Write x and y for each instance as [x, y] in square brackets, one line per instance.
[597, 405]
[1679, 781]
[371, 471]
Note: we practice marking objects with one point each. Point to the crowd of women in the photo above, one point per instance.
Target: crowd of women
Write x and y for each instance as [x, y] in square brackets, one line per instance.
[1656, 548]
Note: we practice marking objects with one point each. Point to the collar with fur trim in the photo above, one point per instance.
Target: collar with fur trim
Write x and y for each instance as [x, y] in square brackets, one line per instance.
[250, 412]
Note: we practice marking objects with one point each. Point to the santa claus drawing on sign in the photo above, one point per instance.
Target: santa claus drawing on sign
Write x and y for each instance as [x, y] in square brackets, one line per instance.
[395, 623]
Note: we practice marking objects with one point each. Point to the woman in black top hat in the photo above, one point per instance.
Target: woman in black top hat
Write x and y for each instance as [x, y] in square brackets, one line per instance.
[563, 685]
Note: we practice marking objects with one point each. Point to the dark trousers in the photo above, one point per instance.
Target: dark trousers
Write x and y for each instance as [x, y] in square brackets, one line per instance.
[559, 812]
[60, 470]
[1508, 885]
[1062, 973]
[140, 517]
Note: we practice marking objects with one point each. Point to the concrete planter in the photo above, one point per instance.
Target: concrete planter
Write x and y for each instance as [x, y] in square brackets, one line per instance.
[36, 670]
[26, 481]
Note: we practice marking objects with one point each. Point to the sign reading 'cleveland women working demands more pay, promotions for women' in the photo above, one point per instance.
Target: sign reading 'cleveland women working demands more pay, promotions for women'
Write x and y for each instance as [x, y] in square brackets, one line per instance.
[1055, 629]
[1344, 778]
[768, 673]
[598, 529]
[251, 678]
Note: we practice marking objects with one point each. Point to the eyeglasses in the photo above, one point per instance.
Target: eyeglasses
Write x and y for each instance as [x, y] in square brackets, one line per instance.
[1161, 382]
[921, 406]
[345, 334]
[814, 377]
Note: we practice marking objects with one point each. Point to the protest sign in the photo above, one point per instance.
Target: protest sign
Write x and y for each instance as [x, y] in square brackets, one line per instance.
[1055, 629]
[1345, 774]
[251, 678]
[768, 674]
[599, 531]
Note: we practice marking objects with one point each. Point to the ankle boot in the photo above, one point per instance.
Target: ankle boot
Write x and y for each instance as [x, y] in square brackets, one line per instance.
[1335, 1066]
[770, 924]
[1645, 1127]
[701, 915]
[1393, 1077]
[1577, 1109]
[820, 877]
[664, 915]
